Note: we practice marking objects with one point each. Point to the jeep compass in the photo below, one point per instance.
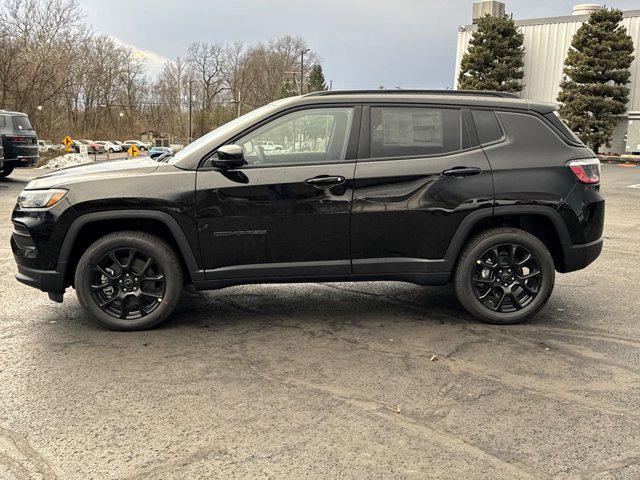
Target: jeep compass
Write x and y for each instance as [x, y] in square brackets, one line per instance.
[483, 189]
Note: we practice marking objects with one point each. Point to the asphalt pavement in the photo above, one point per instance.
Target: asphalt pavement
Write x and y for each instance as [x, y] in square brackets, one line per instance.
[327, 381]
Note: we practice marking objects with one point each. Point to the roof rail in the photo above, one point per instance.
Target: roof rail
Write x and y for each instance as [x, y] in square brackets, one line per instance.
[399, 91]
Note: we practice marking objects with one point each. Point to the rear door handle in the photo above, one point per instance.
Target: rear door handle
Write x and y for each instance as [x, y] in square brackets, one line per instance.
[325, 181]
[462, 172]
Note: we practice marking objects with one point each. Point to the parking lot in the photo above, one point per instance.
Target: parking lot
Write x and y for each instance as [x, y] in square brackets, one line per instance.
[372, 380]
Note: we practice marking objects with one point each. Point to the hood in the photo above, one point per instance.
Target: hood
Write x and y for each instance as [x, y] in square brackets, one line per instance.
[94, 171]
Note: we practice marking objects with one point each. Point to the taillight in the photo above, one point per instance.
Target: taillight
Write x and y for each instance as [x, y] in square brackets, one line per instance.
[13, 138]
[586, 171]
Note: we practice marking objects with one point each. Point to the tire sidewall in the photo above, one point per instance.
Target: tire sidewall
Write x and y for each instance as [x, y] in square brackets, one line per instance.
[465, 287]
[162, 254]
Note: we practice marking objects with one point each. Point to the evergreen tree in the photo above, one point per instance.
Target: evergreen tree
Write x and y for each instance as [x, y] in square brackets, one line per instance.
[594, 89]
[495, 56]
[316, 79]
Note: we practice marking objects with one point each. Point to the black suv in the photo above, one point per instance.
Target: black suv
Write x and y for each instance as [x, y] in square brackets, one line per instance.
[19, 141]
[484, 189]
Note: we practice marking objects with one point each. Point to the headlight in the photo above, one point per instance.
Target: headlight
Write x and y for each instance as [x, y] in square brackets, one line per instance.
[40, 198]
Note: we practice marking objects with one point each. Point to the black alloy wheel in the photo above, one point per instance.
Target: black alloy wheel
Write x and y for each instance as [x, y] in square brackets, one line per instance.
[127, 283]
[129, 280]
[506, 278]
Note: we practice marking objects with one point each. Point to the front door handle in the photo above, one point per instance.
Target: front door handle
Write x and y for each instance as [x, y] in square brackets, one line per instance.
[325, 181]
[460, 172]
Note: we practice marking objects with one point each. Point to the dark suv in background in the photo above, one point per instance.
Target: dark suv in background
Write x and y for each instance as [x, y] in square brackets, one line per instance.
[486, 190]
[19, 141]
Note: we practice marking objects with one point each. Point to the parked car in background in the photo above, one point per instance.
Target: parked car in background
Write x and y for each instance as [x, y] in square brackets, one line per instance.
[482, 189]
[270, 146]
[156, 152]
[19, 141]
[109, 146]
[94, 147]
[141, 145]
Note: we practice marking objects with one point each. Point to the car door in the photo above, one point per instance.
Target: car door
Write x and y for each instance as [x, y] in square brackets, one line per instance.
[286, 212]
[420, 172]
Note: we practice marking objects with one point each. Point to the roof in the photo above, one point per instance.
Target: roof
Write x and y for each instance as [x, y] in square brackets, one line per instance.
[13, 113]
[559, 19]
[440, 97]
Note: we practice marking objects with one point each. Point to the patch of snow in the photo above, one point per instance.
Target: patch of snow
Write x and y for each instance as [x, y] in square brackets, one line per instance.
[67, 160]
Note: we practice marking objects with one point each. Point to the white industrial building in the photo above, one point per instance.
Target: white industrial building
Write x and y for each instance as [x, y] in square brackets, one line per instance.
[547, 41]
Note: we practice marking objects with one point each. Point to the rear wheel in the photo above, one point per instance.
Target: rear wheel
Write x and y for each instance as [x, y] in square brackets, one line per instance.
[6, 171]
[129, 280]
[504, 276]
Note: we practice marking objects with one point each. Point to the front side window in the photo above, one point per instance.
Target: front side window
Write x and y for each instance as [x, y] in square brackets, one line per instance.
[415, 131]
[318, 135]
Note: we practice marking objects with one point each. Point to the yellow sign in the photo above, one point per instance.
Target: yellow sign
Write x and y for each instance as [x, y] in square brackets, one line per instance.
[133, 151]
[67, 142]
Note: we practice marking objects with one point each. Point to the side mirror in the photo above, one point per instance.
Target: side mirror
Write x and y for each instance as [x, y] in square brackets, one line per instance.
[229, 156]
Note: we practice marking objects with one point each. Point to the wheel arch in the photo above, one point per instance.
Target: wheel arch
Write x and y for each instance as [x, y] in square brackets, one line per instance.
[543, 222]
[89, 227]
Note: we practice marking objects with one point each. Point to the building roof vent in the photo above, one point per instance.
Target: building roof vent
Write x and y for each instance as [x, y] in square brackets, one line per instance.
[586, 8]
[487, 7]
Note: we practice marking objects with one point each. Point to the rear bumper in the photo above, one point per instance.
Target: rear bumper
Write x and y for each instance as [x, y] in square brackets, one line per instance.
[20, 161]
[577, 257]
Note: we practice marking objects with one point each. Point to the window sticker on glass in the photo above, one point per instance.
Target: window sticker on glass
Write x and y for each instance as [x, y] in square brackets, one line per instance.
[412, 129]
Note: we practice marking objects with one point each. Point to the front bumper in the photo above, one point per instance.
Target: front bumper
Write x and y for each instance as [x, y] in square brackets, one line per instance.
[577, 257]
[50, 281]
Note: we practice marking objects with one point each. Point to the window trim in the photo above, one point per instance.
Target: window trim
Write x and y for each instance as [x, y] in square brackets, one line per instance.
[352, 142]
[364, 148]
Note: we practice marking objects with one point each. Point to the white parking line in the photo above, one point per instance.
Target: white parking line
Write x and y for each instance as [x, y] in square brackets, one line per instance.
[634, 186]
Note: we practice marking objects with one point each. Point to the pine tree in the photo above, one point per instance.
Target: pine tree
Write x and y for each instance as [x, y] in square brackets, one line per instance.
[316, 79]
[495, 56]
[594, 89]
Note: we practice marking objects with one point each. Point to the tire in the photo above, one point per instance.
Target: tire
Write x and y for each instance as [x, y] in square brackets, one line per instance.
[111, 150]
[507, 290]
[154, 291]
[6, 171]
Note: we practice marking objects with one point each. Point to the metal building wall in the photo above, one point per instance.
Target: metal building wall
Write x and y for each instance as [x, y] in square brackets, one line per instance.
[547, 42]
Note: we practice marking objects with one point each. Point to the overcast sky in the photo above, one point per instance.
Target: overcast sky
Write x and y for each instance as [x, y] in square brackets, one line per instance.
[362, 43]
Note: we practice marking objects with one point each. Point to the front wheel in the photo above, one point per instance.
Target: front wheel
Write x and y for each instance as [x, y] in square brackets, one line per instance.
[504, 276]
[129, 280]
[5, 172]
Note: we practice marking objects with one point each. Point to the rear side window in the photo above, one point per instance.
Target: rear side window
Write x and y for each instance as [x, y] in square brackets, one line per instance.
[487, 126]
[556, 120]
[3, 122]
[22, 123]
[415, 131]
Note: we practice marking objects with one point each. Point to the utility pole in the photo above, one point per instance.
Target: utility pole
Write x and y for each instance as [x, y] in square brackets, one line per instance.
[190, 111]
[304, 50]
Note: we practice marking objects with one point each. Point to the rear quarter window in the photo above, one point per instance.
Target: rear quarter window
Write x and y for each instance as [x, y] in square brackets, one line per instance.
[556, 121]
[487, 126]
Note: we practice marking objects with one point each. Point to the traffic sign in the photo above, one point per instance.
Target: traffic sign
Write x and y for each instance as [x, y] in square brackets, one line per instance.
[133, 151]
[67, 142]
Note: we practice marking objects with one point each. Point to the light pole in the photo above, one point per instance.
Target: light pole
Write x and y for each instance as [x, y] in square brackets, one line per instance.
[304, 50]
[190, 111]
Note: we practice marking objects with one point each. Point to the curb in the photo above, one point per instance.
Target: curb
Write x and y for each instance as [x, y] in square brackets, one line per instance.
[635, 160]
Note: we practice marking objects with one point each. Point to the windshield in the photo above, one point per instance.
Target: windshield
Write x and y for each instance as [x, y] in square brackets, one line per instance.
[222, 130]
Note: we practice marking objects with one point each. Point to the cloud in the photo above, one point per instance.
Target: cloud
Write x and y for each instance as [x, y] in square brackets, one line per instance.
[154, 62]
